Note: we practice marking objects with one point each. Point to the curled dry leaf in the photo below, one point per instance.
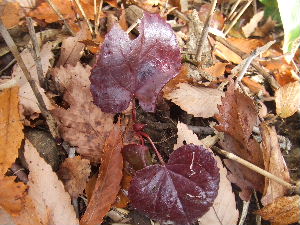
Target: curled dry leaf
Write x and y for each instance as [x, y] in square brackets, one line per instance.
[287, 99]
[175, 191]
[237, 117]
[108, 181]
[83, 125]
[74, 172]
[198, 101]
[46, 190]
[11, 128]
[27, 98]
[139, 68]
[12, 195]
[274, 163]
[284, 210]
[223, 211]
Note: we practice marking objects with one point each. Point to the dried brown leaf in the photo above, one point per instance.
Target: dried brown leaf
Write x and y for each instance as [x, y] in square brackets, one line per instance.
[11, 13]
[11, 128]
[287, 99]
[274, 163]
[5, 218]
[216, 70]
[237, 117]
[74, 173]
[83, 125]
[108, 181]
[12, 195]
[284, 210]
[27, 98]
[250, 27]
[224, 209]
[198, 101]
[47, 191]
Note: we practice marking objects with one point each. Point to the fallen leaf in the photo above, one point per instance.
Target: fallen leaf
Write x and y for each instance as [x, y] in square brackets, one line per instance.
[46, 190]
[71, 48]
[223, 210]
[108, 181]
[11, 14]
[83, 125]
[137, 68]
[237, 117]
[138, 156]
[250, 27]
[254, 86]
[245, 45]
[74, 172]
[217, 20]
[217, 70]
[198, 101]
[12, 195]
[284, 210]
[287, 99]
[122, 198]
[274, 163]
[27, 98]
[175, 191]
[5, 218]
[11, 128]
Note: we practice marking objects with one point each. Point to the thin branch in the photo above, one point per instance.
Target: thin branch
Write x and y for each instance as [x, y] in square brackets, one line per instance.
[251, 166]
[235, 5]
[238, 16]
[97, 19]
[42, 106]
[7, 66]
[132, 26]
[57, 11]
[244, 212]
[204, 33]
[274, 84]
[36, 52]
[85, 16]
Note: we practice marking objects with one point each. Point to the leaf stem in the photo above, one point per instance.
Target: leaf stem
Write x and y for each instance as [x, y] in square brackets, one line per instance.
[153, 146]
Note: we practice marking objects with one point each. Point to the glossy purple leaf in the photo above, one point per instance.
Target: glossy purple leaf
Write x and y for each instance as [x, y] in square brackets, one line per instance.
[137, 68]
[138, 156]
[181, 191]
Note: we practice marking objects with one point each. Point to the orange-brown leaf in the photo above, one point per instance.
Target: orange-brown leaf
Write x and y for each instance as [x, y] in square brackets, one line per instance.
[12, 195]
[216, 70]
[122, 198]
[74, 173]
[11, 13]
[108, 182]
[11, 133]
[284, 210]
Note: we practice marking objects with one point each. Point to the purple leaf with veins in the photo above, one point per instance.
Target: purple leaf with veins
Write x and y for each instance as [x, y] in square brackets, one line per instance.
[137, 68]
[181, 191]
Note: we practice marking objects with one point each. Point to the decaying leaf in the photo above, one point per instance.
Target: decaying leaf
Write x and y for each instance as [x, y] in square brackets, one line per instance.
[10, 14]
[108, 181]
[198, 101]
[12, 195]
[250, 27]
[5, 218]
[139, 68]
[138, 156]
[287, 99]
[11, 128]
[46, 191]
[284, 210]
[175, 191]
[217, 70]
[223, 211]
[83, 124]
[274, 163]
[27, 98]
[74, 173]
[237, 117]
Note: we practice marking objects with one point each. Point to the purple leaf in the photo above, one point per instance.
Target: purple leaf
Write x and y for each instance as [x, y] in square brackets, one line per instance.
[138, 156]
[181, 191]
[135, 68]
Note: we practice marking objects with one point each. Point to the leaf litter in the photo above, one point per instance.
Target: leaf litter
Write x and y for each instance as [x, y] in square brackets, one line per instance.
[155, 54]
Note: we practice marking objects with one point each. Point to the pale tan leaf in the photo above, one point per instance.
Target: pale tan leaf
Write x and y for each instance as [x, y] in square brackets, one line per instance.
[27, 99]
[83, 125]
[287, 99]
[198, 101]
[11, 128]
[47, 191]
[274, 163]
[284, 210]
[5, 218]
[250, 27]
[74, 172]
[224, 209]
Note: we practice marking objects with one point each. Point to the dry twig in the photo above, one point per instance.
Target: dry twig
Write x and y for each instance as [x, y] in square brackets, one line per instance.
[85, 16]
[42, 106]
[204, 32]
[244, 212]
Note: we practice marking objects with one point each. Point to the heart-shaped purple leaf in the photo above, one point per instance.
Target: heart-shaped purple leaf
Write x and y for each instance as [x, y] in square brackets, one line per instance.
[181, 191]
[137, 68]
